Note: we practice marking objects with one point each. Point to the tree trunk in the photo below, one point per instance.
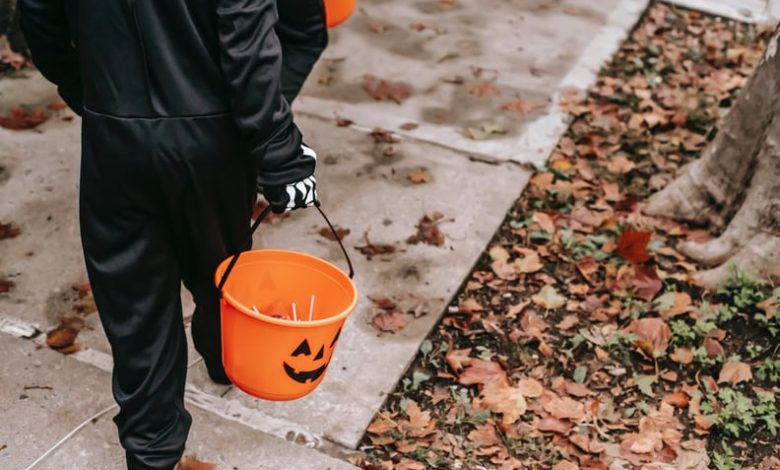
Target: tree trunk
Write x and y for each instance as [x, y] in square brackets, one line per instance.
[735, 185]
[9, 26]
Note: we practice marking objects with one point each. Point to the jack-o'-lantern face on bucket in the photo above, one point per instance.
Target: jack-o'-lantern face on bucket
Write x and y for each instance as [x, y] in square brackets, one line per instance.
[308, 364]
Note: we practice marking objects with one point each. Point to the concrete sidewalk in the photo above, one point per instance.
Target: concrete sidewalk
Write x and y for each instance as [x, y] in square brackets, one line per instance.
[461, 62]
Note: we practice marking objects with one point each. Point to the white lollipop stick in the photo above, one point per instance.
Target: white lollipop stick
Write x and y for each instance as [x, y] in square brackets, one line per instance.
[256, 310]
[311, 308]
[295, 313]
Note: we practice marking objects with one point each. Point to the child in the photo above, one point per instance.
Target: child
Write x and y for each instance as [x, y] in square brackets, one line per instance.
[185, 108]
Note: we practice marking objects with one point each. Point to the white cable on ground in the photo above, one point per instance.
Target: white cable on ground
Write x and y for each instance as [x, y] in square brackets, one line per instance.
[69, 435]
[80, 426]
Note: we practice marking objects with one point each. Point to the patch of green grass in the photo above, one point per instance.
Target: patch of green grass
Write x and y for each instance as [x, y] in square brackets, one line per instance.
[725, 460]
[769, 370]
[737, 415]
[741, 289]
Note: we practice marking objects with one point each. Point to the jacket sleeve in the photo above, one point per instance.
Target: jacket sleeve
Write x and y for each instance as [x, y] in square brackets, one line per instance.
[251, 59]
[45, 28]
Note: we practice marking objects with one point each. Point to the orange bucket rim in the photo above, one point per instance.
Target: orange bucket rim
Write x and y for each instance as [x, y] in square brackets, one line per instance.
[290, 323]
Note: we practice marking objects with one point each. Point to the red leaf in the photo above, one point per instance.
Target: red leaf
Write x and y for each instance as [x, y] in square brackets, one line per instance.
[632, 245]
[644, 281]
[340, 231]
[21, 118]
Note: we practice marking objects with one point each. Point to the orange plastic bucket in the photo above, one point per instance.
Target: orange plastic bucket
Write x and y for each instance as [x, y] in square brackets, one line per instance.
[268, 351]
[338, 11]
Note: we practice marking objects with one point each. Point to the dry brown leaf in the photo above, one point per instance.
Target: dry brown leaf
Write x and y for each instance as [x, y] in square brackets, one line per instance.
[565, 408]
[678, 399]
[390, 322]
[522, 107]
[191, 462]
[457, 358]
[682, 355]
[470, 305]
[530, 388]
[479, 371]
[500, 398]
[565, 465]
[419, 423]
[652, 336]
[549, 298]
[554, 425]
[484, 435]
[386, 91]
[341, 232]
[680, 304]
[529, 263]
[418, 176]
[544, 221]
[735, 372]
[483, 89]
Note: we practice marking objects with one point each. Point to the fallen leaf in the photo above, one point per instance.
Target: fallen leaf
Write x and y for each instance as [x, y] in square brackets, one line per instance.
[344, 122]
[565, 408]
[8, 231]
[377, 27]
[428, 231]
[652, 336]
[522, 107]
[644, 281]
[500, 398]
[191, 462]
[483, 372]
[61, 337]
[483, 89]
[6, 285]
[632, 245]
[418, 176]
[735, 372]
[672, 304]
[544, 221]
[548, 298]
[340, 231]
[484, 435]
[470, 305]
[530, 388]
[682, 355]
[529, 263]
[383, 136]
[554, 425]
[383, 303]
[565, 465]
[371, 249]
[484, 130]
[420, 422]
[457, 358]
[678, 399]
[23, 118]
[386, 91]
[391, 322]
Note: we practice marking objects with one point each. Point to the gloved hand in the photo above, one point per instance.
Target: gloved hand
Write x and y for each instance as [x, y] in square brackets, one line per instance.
[296, 195]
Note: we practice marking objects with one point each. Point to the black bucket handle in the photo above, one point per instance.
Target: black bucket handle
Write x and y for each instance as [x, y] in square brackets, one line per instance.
[254, 228]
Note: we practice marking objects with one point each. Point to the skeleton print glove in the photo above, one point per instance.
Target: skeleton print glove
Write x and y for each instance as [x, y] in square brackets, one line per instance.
[297, 195]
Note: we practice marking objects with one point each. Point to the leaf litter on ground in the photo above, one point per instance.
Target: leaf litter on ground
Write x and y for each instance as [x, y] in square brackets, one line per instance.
[580, 340]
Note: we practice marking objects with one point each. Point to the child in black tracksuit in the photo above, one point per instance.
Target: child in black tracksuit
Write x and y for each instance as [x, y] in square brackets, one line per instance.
[185, 108]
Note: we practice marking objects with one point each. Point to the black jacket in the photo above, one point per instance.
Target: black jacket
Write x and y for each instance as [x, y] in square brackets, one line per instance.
[132, 61]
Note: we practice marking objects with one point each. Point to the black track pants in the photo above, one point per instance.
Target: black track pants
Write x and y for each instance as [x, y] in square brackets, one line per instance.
[159, 207]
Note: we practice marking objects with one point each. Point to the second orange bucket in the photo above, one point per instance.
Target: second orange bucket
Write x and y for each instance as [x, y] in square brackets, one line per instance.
[270, 349]
[338, 11]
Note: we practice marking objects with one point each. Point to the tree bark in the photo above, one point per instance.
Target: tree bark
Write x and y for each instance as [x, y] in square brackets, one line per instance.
[735, 185]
